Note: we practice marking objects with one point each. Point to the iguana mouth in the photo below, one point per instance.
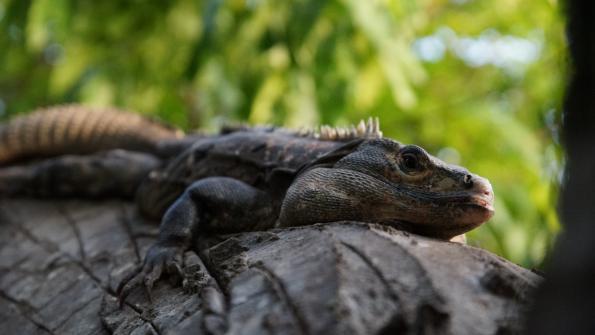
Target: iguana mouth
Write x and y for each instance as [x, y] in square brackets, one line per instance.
[482, 200]
[460, 218]
[478, 213]
[459, 212]
[478, 209]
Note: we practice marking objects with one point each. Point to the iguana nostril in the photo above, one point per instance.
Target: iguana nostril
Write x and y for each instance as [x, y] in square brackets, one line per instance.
[468, 181]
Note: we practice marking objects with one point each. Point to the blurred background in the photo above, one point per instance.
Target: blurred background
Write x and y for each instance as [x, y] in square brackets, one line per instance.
[477, 83]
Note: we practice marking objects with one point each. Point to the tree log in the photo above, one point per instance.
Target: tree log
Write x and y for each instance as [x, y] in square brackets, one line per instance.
[60, 262]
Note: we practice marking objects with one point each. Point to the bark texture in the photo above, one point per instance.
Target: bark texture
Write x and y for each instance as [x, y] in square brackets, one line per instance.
[61, 260]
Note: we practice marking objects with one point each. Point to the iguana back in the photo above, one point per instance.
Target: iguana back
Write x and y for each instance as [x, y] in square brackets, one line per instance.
[248, 155]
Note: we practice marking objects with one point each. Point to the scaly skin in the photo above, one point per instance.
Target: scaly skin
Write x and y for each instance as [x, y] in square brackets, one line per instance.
[252, 157]
[253, 179]
[73, 129]
[372, 180]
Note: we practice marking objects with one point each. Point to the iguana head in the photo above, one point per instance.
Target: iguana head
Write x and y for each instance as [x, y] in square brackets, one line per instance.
[384, 181]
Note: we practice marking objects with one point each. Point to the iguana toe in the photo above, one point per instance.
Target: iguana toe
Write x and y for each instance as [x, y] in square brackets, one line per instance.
[158, 258]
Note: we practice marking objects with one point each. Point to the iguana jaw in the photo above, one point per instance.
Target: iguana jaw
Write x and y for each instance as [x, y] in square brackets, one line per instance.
[445, 214]
[471, 216]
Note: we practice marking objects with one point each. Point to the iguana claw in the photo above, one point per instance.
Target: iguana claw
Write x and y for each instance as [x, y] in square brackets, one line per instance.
[158, 259]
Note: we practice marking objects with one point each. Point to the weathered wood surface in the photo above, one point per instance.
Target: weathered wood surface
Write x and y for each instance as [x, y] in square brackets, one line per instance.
[60, 262]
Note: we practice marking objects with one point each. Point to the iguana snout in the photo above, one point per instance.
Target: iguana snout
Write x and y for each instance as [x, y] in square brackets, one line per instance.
[387, 182]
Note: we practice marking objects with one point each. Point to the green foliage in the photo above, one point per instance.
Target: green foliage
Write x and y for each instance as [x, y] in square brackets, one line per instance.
[477, 82]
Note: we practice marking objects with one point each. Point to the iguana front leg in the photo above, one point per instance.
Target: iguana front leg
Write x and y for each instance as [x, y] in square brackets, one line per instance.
[215, 204]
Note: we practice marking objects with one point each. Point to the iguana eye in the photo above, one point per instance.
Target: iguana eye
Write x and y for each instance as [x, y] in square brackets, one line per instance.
[411, 160]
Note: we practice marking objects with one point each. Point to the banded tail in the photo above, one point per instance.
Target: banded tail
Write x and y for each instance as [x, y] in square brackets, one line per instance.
[75, 129]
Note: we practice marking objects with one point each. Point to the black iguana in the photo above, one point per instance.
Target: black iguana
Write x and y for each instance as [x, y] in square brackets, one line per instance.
[240, 180]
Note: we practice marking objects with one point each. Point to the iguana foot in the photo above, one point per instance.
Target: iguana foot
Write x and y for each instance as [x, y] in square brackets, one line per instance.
[159, 258]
